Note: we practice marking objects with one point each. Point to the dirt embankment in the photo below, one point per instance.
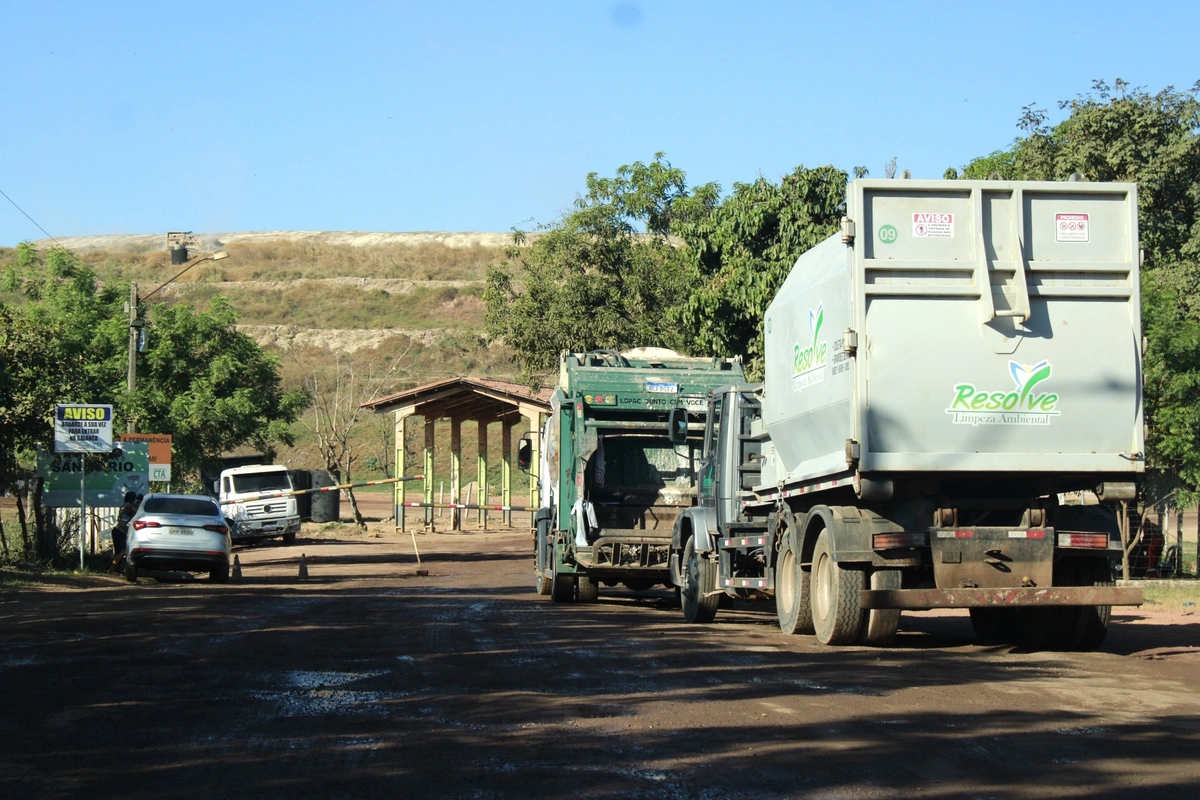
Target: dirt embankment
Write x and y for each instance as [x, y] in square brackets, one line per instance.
[149, 242]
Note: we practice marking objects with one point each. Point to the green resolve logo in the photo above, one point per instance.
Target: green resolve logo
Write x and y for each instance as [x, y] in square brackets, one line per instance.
[1021, 406]
[808, 362]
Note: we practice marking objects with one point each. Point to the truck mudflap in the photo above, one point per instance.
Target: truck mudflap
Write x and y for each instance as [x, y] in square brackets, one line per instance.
[920, 599]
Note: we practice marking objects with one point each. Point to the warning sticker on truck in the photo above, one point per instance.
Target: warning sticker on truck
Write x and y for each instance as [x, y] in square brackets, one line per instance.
[933, 226]
[1071, 227]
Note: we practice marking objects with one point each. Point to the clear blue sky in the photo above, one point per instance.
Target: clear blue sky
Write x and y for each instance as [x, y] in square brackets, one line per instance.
[144, 117]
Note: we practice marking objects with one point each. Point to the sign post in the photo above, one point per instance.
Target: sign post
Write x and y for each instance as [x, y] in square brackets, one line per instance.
[83, 429]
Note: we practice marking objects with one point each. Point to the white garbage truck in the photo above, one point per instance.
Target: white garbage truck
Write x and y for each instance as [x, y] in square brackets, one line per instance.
[246, 497]
[941, 378]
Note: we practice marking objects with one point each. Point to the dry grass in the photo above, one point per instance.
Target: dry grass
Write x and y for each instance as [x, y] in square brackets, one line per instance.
[346, 306]
[289, 260]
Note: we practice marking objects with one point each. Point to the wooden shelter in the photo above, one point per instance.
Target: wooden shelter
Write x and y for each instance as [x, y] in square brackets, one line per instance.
[479, 400]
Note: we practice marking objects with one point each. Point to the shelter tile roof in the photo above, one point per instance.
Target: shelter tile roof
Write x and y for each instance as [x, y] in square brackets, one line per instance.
[455, 390]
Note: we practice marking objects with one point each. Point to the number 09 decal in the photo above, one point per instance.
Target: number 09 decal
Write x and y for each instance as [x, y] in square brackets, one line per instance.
[887, 234]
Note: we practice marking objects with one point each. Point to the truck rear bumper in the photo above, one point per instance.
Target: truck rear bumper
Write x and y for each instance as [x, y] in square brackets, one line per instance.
[920, 599]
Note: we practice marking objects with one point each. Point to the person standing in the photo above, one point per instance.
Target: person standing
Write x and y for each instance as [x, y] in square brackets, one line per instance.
[120, 531]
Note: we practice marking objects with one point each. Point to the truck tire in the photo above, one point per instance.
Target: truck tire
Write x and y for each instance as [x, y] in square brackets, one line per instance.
[837, 608]
[699, 578]
[793, 599]
[544, 580]
[587, 590]
[1079, 628]
[289, 538]
[995, 625]
[879, 625]
[562, 586]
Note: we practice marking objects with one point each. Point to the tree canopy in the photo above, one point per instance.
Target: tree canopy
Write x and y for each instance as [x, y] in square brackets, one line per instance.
[63, 338]
[603, 276]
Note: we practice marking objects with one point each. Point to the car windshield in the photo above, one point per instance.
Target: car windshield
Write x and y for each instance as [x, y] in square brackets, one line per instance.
[198, 506]
[261, 482]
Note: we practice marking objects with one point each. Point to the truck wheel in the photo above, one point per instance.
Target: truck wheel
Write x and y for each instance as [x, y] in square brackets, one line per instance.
[837, 609]
[544, 580]
[562, 586]
[879, 625]
[588, 590]
[995, 625]
[289, 538]
[699, 578]
[793, 600]
[1079, 628]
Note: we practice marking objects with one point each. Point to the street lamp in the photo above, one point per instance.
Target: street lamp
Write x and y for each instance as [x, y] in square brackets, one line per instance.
[136, 323]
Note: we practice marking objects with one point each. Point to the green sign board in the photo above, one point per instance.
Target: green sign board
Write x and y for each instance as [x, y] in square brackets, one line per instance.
[105, 487]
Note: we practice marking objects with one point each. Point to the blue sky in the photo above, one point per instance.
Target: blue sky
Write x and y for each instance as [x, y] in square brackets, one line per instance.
[144, 117]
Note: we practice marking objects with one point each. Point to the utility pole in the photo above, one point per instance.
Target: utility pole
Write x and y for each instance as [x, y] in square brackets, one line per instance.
[136, 323]
[135, 328]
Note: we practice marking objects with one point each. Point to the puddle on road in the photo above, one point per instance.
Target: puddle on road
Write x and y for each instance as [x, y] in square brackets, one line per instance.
[316, 693]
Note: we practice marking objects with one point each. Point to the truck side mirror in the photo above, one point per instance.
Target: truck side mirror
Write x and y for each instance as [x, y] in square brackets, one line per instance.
[524, 454]
[677, 425]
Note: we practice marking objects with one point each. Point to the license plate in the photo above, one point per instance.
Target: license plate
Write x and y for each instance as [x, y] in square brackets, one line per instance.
[180, 531]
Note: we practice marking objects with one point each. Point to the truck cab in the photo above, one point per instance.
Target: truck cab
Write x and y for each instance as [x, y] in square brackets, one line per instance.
[254, 500]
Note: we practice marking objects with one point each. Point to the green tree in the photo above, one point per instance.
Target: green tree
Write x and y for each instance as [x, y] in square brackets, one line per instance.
[63, 338]
[743, 248]
[606, 275]
[212, 388]
[1119, 133]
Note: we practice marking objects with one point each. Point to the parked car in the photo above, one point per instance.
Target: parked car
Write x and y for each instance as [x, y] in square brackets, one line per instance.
[180, 532]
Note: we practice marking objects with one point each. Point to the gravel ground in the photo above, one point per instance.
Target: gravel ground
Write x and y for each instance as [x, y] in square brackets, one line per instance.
[367, 679]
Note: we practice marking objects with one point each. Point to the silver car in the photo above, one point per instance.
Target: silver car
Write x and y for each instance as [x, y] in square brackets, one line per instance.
[179, 532]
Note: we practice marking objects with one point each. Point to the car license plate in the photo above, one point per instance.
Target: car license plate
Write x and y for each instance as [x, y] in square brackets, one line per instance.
[180, 531]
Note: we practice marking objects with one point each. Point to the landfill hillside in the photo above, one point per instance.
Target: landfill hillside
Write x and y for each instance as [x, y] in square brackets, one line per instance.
[408, 306]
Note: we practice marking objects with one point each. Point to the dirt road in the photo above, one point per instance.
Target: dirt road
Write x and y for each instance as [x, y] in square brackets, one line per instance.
[366, 680]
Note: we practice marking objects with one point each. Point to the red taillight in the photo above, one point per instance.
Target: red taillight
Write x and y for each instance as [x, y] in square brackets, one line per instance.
[883, 541]
[1098, 541]
[221, 529]
[138, 524]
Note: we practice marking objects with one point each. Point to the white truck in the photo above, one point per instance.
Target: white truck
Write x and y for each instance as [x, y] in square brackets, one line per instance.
[247, 499]
[938, 379]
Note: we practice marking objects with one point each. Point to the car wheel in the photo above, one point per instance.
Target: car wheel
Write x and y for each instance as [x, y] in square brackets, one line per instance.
[219, 574]
[130, 571]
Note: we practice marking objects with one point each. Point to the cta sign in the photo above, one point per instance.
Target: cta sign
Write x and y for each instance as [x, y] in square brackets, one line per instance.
[83, 429]
[160, 452]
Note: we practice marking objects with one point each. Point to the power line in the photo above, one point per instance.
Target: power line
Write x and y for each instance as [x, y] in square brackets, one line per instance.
[31, 219]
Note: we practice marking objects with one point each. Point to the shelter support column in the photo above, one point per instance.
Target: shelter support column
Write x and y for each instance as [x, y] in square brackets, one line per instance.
[534, 415]
[456, 515]
[481, 469]
[506, 469]
[429, 423]
[401, 462]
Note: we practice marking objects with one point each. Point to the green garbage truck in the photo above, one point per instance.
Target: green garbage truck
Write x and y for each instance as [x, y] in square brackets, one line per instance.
[616, 467]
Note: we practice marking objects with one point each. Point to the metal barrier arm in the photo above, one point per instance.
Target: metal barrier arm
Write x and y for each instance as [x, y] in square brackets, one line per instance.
[339, 487]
